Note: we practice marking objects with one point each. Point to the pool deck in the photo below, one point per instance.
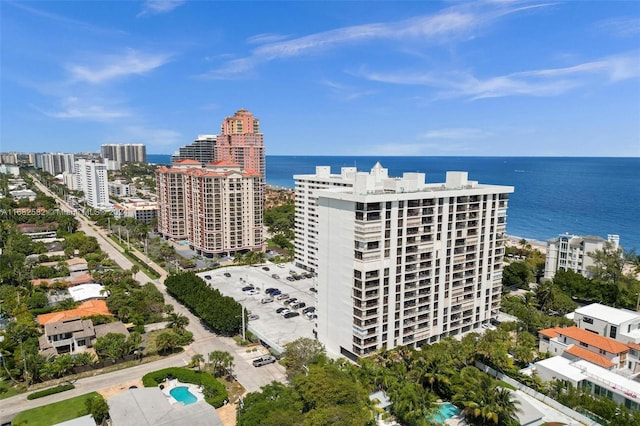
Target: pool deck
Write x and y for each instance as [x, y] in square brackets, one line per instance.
[174, 383]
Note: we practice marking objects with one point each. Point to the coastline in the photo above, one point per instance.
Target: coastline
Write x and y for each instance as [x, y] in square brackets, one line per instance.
[514, 241]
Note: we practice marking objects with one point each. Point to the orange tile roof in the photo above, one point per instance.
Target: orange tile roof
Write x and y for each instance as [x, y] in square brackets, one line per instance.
[593, 339]
[634, 346]
[587, 355]
[86, 309]
[550, 332]
[78, 279]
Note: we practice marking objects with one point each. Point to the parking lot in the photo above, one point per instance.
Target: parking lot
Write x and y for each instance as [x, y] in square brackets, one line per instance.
[270, 326]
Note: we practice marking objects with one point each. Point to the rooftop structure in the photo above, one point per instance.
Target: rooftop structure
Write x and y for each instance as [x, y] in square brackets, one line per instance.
[597, 380]
[83, 292]
[86, 309]
[619, 324]
[150, 407]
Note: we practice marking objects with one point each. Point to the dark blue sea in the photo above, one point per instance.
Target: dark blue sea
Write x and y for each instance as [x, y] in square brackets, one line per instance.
[583, 196]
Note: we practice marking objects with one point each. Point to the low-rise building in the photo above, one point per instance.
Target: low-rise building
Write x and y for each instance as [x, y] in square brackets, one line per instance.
[139, 209]
[69, 335]
[618, 324]
[86, 309]
[591, 377]
[576, 343]
[120, 188]
[23, 194]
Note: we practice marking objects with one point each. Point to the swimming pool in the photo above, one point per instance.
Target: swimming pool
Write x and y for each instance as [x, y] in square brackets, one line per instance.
[182, 394]
[445, 411]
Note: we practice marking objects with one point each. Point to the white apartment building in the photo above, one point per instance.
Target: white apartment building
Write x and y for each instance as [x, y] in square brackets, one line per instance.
[571, 252]
[124, 152]
[619, 324]
[138, 209]
[91, 178]
[403, 262]
[306, 217]
[120, 188]
[56, 163]
[70, 180]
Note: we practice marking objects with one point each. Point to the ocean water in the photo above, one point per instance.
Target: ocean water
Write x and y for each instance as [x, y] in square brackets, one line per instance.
[583, 196]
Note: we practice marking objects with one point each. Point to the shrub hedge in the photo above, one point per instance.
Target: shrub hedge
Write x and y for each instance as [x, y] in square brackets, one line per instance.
[212, 386]
[50, 391]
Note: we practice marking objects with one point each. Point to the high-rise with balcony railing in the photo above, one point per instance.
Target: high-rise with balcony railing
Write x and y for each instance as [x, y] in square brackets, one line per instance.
[404, 262]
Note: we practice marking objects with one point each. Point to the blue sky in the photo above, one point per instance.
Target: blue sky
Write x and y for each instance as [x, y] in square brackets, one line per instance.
[325, 78]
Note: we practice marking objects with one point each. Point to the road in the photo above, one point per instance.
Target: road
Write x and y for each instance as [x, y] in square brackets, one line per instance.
[205, 341]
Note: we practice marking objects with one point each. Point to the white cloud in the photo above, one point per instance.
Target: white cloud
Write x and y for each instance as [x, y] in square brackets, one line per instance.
[620, 27]
[445, 26]
[110, 67]
[542, 82]
[344, 92]
[155, 7]
[265, 38]
[75, 108]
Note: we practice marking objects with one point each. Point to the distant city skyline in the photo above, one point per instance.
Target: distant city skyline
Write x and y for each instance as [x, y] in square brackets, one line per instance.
[485, 78]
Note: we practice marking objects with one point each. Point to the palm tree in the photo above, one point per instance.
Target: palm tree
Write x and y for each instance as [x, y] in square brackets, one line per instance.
[177, 321]
[197, 359]
[166, 341]
[134, 270]
[505, 406]
[220, 360]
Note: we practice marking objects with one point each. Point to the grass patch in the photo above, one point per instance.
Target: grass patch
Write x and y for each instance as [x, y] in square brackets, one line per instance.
[7, 391]
[506, 385]
[57, 412]
[135, 259]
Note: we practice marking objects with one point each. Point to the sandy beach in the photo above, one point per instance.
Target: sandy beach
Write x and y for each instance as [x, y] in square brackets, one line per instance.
[514, 241]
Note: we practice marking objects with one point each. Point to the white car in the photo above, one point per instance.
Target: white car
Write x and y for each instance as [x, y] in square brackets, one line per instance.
[253, 292]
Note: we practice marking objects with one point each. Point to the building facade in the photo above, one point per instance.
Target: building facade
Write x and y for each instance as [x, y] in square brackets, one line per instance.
[240, 142]
[57, 163]
[306, 223]
[202, 150]
[403, 262]
[124, 152]
[619, 324]
[217, 208]
[91, 178]
[571, 253]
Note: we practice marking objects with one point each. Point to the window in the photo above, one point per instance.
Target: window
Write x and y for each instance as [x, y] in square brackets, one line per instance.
[613, 331]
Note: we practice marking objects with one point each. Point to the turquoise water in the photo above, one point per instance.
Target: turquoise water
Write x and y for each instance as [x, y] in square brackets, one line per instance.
[182, 394]
[446, 411]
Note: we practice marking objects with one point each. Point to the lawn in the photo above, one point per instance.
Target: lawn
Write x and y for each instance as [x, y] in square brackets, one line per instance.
[57, 412]
[7, 391]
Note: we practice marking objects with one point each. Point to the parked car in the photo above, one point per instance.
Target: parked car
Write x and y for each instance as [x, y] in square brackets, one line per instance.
[267, 300]
[207, 277]
[291, 314]
[290, 278]
[275, 276]
[308, 275]
[253, 292]
[285, 312]
[290, 301]
[313, 290]
[265, 268]
[269, 290]
[228, 275]
[253, 317]
[282, 296]
[247, 288]
[298, 305]
[280, 265]
[281, 309]
[309, 309]
[298, 277]
[312, 315]
[275, 293]
[263, 360]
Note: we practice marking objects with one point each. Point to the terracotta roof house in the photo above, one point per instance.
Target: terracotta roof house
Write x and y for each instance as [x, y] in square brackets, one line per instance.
[576, 343]
[86, 309]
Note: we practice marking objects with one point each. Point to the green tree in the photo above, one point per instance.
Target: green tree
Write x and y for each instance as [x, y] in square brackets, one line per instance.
[167, 341]
[220, 362]
[98, 408]
[111, 346]
[177, 321]
[517, 274]
[301, 354]
[197, 360]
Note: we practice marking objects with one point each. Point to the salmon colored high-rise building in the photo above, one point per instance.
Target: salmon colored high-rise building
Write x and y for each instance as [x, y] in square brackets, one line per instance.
[241, 142]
